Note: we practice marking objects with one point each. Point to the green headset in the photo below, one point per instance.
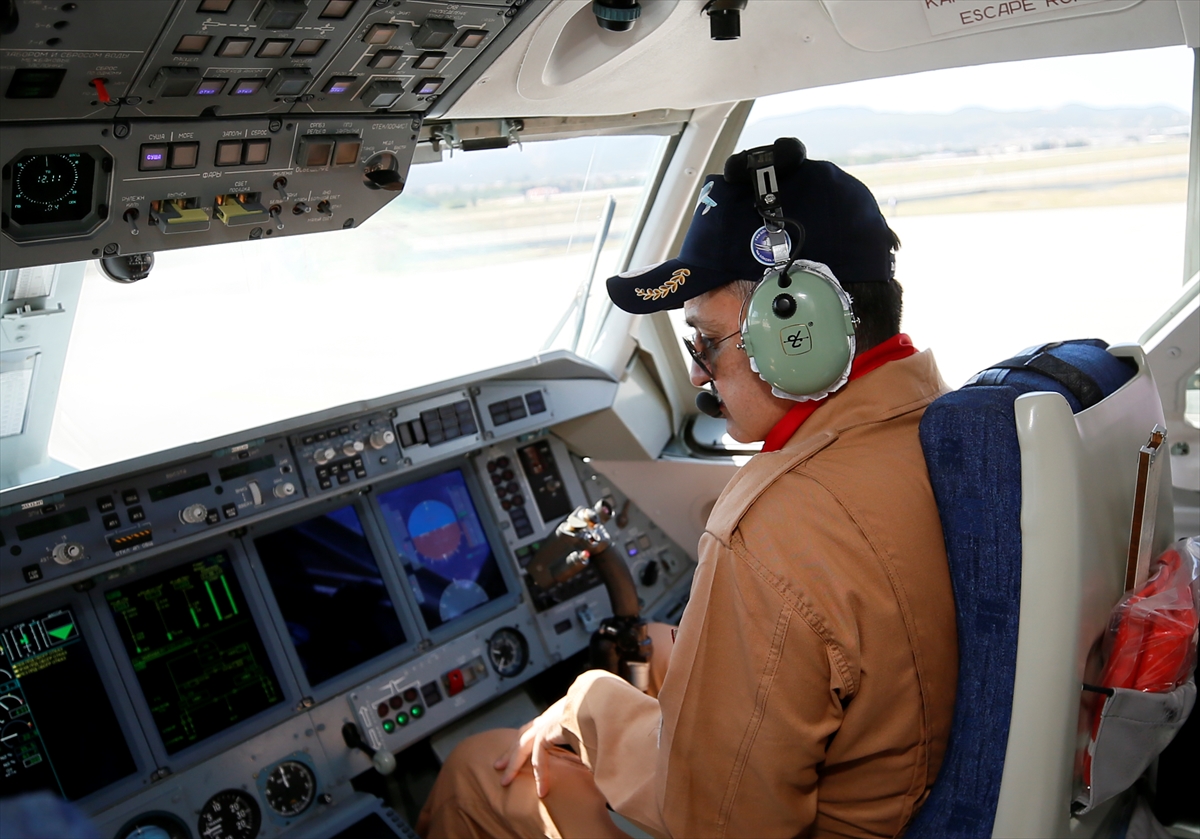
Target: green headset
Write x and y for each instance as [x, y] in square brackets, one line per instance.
[798, 325]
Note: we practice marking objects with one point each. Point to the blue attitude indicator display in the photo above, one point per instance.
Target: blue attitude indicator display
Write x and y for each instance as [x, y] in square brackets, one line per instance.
[437, 531]
[337, 608]
[197, 653]
[46, 673]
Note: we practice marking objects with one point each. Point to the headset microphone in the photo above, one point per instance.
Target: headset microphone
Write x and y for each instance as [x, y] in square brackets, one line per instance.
[708, 403]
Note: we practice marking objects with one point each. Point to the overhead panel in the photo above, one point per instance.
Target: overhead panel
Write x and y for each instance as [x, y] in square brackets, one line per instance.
[50, 62]
[134, 127]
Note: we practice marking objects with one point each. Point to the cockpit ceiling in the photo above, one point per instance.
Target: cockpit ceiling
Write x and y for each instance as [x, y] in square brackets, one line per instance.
[564, 64]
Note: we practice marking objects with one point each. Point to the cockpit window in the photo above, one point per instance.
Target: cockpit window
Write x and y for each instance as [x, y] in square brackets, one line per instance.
[1036, 201]
[472, 267]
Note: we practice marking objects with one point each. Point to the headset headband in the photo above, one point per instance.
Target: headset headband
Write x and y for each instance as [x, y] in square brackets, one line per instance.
[762, 166]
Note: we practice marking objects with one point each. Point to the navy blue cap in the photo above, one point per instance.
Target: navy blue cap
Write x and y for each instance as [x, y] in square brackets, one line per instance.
[843, 229]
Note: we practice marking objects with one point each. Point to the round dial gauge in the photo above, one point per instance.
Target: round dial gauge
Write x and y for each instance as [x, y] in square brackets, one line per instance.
[508, 651]
[290, 788]
[46, 178]
[50, 188]
[154, 826]
[230, 814]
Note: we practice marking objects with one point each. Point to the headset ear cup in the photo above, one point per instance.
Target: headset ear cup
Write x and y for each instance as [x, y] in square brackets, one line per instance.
[797, 333]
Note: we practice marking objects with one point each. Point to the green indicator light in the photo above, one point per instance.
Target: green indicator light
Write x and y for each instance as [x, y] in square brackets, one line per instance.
[389, 726]
[229, 594]
[416, 711]
[213, 599]
[402, 718]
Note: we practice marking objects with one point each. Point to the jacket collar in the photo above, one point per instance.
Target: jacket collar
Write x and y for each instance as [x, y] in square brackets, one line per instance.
[896, 388]
[893, 349]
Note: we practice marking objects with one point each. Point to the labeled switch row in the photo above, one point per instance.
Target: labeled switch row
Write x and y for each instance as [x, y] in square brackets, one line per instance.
[387, 59]
[241, 47]
[281, 14]
[320, 149]
[433, 34]
[242, 152]
[177, 82]
[156, 156]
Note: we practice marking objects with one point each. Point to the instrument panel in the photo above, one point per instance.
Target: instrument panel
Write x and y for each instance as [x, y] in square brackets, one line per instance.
[277, 600]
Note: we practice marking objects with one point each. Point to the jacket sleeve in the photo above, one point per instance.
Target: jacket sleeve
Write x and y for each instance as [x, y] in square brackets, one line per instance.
[749, 703]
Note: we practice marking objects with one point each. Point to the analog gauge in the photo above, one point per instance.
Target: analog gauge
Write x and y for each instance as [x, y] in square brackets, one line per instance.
[230, 814]
[49, 188]
[508, 651]
[158, 825]
[290, 788]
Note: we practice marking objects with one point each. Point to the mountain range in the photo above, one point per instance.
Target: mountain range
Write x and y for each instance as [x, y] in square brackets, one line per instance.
[844, 135]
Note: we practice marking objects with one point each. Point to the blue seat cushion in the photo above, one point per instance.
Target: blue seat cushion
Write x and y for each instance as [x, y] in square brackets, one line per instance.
[970, 442]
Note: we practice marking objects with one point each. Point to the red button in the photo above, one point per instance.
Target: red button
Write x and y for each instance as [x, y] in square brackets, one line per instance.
[396, 702]
[454, 682]
[382, 710]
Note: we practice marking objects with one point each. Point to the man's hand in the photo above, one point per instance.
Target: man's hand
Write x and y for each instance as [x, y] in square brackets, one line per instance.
[532, 744]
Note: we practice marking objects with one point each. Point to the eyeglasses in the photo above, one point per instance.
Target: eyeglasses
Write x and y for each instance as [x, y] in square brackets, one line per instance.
[701, 355]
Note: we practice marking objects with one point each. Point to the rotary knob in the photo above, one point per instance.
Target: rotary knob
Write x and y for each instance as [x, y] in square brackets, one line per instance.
[352, 447]
[65, 553]
[193, 514]
[379, 439]
[284, 490]
[323, 456]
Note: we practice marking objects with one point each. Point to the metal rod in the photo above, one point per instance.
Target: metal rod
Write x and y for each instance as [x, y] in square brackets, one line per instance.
[606, 217]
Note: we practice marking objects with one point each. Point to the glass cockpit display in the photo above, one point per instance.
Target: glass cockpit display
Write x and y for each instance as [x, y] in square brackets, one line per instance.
[50, 188]
[338, 610]
[441, 541]
[196, 650]
[58, 730]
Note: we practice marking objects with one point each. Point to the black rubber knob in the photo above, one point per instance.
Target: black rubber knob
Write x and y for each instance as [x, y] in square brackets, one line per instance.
[386, 179]
[649, 575]
[784, 306]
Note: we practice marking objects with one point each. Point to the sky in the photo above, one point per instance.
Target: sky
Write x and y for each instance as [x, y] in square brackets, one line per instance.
[1141, 78]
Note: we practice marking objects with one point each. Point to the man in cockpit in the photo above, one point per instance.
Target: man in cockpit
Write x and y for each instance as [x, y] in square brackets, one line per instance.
[810, 688]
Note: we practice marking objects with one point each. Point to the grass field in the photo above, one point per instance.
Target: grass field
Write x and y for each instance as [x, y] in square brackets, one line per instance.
[1058, 178]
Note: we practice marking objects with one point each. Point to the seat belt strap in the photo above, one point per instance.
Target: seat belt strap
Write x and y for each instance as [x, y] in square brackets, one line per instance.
[1082, 386]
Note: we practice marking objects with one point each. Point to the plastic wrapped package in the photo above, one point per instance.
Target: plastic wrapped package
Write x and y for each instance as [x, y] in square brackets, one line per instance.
[1151, 643]
[1147, 681]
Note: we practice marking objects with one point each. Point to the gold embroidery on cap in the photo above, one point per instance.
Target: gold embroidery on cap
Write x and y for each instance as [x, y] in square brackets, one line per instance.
[677, 279]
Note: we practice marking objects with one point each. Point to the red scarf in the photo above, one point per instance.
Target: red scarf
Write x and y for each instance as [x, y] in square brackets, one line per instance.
[893, 349]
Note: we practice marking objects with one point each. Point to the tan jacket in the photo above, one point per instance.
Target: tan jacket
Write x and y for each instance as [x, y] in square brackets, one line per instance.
[811, 685]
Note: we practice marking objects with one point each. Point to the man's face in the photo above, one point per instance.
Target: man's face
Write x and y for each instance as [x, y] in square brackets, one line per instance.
[746, 400]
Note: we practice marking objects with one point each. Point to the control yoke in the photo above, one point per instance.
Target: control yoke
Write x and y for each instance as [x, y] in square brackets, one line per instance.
[621, 644]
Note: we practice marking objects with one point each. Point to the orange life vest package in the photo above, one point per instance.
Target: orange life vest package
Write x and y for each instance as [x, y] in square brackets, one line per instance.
[1150, 657]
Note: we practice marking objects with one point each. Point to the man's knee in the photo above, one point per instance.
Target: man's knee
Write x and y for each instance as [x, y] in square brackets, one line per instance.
[475, 757]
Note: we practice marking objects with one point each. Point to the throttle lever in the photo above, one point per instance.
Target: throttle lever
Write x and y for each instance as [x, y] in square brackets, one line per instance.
[383, 760]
